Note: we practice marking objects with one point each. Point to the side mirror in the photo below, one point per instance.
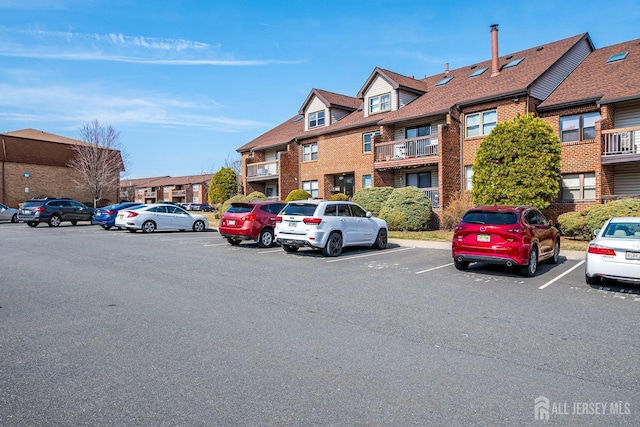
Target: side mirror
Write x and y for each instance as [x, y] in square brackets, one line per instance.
[596, 231]
[550, 223]
[369, 214]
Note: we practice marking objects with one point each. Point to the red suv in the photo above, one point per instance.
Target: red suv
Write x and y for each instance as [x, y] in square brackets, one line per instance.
[507, 235]
[250, 221]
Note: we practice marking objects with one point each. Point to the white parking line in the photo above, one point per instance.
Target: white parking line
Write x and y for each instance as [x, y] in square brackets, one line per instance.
[367, 254]
[216, 244]
[562, 275]
[434, 268]
[268, 251]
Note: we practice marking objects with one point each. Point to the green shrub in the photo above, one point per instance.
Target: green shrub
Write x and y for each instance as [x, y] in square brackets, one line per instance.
[574, 224]
[371, 199]
[227, 203]
[339, 196]
[581, 225]
[255, 197]
[297, 195]
[407, 209]
[453, 213]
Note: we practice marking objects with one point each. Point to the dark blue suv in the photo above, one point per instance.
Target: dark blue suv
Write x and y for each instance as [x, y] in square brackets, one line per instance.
[53, 211]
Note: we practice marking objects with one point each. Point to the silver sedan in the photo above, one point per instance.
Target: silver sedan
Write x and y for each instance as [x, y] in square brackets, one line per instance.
[8, 214]
[158, 216]
[615, 252]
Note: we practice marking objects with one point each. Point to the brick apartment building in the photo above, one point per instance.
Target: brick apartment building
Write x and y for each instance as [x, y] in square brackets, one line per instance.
[400, 131]
[181, 189]
[35, 164]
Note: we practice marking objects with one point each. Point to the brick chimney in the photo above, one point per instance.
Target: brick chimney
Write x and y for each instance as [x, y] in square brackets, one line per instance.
[446, 68]
[494, 50]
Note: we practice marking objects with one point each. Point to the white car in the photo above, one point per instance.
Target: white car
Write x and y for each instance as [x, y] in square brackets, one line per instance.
[8, 214]
[615, 252]
[328, 225]
[159, 216]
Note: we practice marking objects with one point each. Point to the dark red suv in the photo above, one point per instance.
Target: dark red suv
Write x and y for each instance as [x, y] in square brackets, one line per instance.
[507, 235]
[250, 221]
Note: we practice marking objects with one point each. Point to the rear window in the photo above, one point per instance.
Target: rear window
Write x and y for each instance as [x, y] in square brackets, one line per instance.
[301, 209]
[240, 208]
[622, 229]
[496, 218]
[30, 204]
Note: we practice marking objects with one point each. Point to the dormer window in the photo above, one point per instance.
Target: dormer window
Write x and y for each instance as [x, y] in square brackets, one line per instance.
[316, 119]
[380, 103]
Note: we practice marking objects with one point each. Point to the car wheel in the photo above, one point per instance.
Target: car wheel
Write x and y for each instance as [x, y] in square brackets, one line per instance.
[461, 265]
[54, 221]
[556, 253]
[32, 223]
[595, 280]
[148, 227]
[14, 218]
[265, 239]
[529, 270]
[233, 242]
[334, 245]
[106, 227]
[289, 248]
[198, 226]
[74, 222]
[381, 240]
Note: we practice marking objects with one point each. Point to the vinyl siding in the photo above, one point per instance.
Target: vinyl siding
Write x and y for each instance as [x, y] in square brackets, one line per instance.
[559, 71]
[406, 97]
[379, 87]
[314, 106]
[627, 179]
[627, 115]
[337, 114]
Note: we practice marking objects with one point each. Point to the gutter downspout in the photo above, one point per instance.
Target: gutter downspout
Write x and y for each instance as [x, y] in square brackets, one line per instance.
[4, 160]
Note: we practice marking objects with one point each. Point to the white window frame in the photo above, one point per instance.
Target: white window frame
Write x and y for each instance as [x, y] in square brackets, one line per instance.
[581, 185]
[195, 187]
[311, 187]
[483, 125]
[380, 103]
[579, 125]
[316, 119]
[371, 136]
[468, 177]
[367, 182]
[310, 152]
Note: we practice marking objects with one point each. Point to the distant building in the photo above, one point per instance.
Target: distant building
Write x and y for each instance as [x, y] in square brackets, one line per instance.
[35, 164]
[181, 189]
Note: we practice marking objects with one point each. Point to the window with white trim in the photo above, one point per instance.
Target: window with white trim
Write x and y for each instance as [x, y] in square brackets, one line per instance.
[310, 152]
[380, 103]
[367, 141]
[480, 124]
[316, 119]
[366, 181]
[196, 187]
[578, 186]
[311, 187]
[468, 177]
[581, 127]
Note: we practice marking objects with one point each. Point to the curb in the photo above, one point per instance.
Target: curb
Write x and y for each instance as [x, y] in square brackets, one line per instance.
[428, 244]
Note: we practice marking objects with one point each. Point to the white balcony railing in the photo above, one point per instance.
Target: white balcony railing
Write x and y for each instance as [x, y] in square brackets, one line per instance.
[407, 148]
[432, 194]
[263, 169]
[621, 141]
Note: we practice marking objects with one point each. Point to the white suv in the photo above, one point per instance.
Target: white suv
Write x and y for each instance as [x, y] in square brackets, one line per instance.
[328, 225]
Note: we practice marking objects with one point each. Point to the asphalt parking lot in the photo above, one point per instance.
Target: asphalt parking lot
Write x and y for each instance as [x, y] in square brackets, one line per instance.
[115, 328]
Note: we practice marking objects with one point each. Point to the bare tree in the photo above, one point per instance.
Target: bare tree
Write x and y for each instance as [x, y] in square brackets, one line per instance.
[98, 160]
[236, 166]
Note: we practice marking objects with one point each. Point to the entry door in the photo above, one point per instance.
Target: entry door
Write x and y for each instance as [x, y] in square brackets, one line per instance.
[345, 184]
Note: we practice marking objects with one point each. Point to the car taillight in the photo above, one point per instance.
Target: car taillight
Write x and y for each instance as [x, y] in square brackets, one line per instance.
[39, 209]
[600, 250]
[131, 214]
[251, 217]
[278, 218]
[312, 221]
[516, 230]
[111, 212]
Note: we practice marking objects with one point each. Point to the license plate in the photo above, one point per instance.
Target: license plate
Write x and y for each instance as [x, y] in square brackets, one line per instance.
[232, 222]
[26, 212]
[633, 255]
[293, 224]
[484, 238]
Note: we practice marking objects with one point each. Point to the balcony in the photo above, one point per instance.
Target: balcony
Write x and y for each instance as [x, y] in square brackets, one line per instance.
[621, 145]
[263, 171]
[150, 194]
[432, 194]
[178, 193]
[407, 152]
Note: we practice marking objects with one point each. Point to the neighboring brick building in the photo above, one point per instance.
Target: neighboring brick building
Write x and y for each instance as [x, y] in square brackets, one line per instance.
[35, 164]
[181, 189]
[401, 131]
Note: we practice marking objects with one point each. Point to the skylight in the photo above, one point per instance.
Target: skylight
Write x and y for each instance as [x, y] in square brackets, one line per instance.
[444, 81]
[513, 63]
[478, 72]
[297, 119]
[617, 57]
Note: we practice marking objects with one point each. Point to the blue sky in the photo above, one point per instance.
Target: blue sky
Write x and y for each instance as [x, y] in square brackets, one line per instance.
[188, 82]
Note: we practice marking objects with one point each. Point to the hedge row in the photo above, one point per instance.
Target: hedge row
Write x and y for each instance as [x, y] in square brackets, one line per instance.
[581, 225]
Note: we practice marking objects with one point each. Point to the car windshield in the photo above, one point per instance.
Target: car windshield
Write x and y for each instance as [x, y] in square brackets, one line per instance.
[306, 209]
[623, 230]
[240, 208]
[497, 218]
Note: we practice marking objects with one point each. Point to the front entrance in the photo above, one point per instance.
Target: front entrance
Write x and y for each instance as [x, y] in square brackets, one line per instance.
[344, 183]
